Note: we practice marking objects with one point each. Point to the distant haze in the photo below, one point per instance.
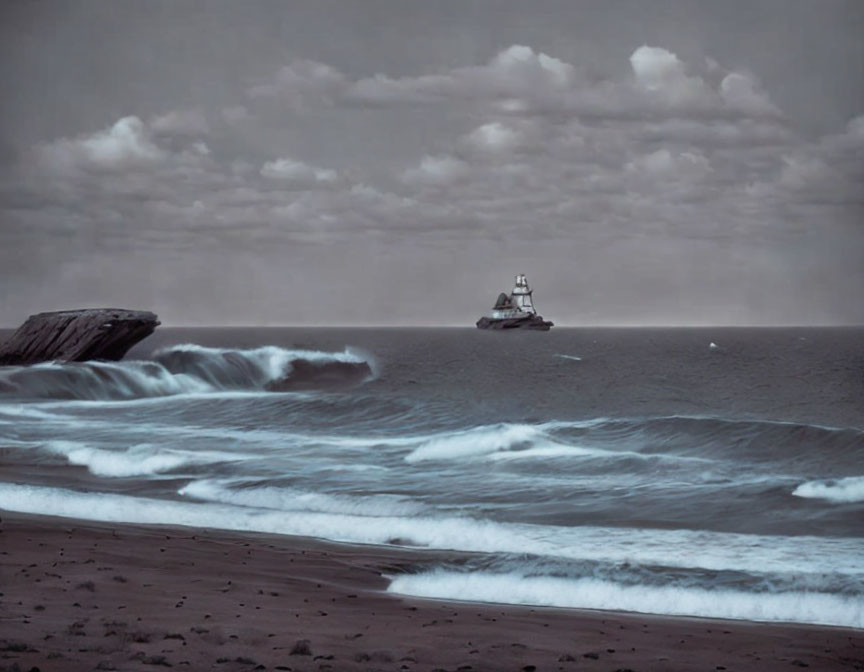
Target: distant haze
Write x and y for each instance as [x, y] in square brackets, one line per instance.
[396, 163]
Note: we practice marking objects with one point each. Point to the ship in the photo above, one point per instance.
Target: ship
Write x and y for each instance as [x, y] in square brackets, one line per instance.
[515, 310]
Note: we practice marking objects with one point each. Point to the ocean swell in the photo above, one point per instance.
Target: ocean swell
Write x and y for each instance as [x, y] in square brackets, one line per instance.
[186, 369]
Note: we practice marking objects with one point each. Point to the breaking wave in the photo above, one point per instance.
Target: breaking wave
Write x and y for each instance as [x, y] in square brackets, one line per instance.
[718, 551]
[474, 442]
[506, 439]
[843, 490]
[588, 593]
[293, 499]
[137, 460]
[187, 369]
[648, 570]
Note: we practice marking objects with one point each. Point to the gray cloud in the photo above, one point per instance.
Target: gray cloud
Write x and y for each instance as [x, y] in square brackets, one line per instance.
[638, 186]
[522, 81]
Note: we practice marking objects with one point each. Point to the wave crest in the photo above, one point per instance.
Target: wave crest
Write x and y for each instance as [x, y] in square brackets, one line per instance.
[137, 460]
[843, 490]
[792, 606]
[187, 369]
[474, 442]
[293, 499]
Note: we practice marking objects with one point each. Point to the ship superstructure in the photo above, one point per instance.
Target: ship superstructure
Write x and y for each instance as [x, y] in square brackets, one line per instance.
[515, 310]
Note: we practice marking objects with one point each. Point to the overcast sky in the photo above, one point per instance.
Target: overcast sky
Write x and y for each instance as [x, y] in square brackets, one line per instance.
[327, 163]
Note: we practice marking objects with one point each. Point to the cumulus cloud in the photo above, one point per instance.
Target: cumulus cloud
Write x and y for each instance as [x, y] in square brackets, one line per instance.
[531, 148]
[830, 171]
[296, 174]
[190, 123]
[302, 83]
[516, 72]
[742, 92]
[541, 141]
[125, 144]
[495, 138]
[521, 81]
[665, 164]
[437, 170]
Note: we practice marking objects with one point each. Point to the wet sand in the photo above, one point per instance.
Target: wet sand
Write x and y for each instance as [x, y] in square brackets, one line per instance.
[78, 595]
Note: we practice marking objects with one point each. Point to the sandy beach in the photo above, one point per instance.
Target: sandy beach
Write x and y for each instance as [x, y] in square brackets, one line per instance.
[79, 595]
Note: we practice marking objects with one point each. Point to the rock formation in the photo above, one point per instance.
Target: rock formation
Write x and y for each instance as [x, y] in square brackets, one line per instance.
[77, 335]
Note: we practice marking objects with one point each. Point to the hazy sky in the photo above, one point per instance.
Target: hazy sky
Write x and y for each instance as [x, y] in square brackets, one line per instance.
[397, 162]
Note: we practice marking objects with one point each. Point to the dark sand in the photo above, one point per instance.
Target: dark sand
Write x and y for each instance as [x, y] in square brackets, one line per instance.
[78, 595]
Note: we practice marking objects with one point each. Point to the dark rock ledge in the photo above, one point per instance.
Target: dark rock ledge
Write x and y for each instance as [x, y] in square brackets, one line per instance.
[78, 335]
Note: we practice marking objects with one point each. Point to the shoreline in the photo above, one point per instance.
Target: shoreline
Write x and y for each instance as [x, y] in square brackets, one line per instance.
[85, 595]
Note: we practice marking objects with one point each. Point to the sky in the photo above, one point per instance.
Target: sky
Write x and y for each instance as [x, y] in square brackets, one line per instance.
[398, 162]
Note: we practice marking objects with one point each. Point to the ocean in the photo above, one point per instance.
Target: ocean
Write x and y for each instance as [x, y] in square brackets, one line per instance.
[710, 472]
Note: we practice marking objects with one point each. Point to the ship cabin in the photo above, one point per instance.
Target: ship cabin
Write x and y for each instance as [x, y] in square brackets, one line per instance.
[517, 304]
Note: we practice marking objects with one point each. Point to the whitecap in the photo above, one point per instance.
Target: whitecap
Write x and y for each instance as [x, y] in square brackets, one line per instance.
[474, 442]
[185, 369]
[589, 593]
[137, 460]
[637, 546]
[842, 490]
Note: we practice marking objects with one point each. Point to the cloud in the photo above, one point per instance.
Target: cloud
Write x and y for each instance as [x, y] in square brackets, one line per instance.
[827, 173]
[514, 73]
[494, 138]
[157, 181]
[302, 83]
[532, 148]
[127, 144]
[656, 68]
[437, 170]
[717, 133]
[191, 123]
[235, 114]
[743, 93]
[520, 81]
[298, 175]
[663, 164]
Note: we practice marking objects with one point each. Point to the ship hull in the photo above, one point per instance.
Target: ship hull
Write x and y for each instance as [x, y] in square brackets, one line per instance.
[532, 322]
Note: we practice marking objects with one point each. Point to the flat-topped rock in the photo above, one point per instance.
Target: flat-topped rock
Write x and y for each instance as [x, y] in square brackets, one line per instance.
[78, 335]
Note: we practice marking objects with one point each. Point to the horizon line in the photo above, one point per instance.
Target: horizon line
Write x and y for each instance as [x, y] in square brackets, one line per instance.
[464, 326]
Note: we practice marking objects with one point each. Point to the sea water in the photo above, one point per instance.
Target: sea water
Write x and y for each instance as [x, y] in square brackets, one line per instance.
[633, 469]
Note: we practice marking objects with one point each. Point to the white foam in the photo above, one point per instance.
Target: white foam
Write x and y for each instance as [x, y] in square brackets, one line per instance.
[514, 442]
[341, 466]
[292, 499]
[138, 460]
[800, 607]
[210, 394]
[266, 437]
[843, 490]
[670, 548]
[573, 357]
[553, 451]
[28, 411]
[186, 369]
[474, 442]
